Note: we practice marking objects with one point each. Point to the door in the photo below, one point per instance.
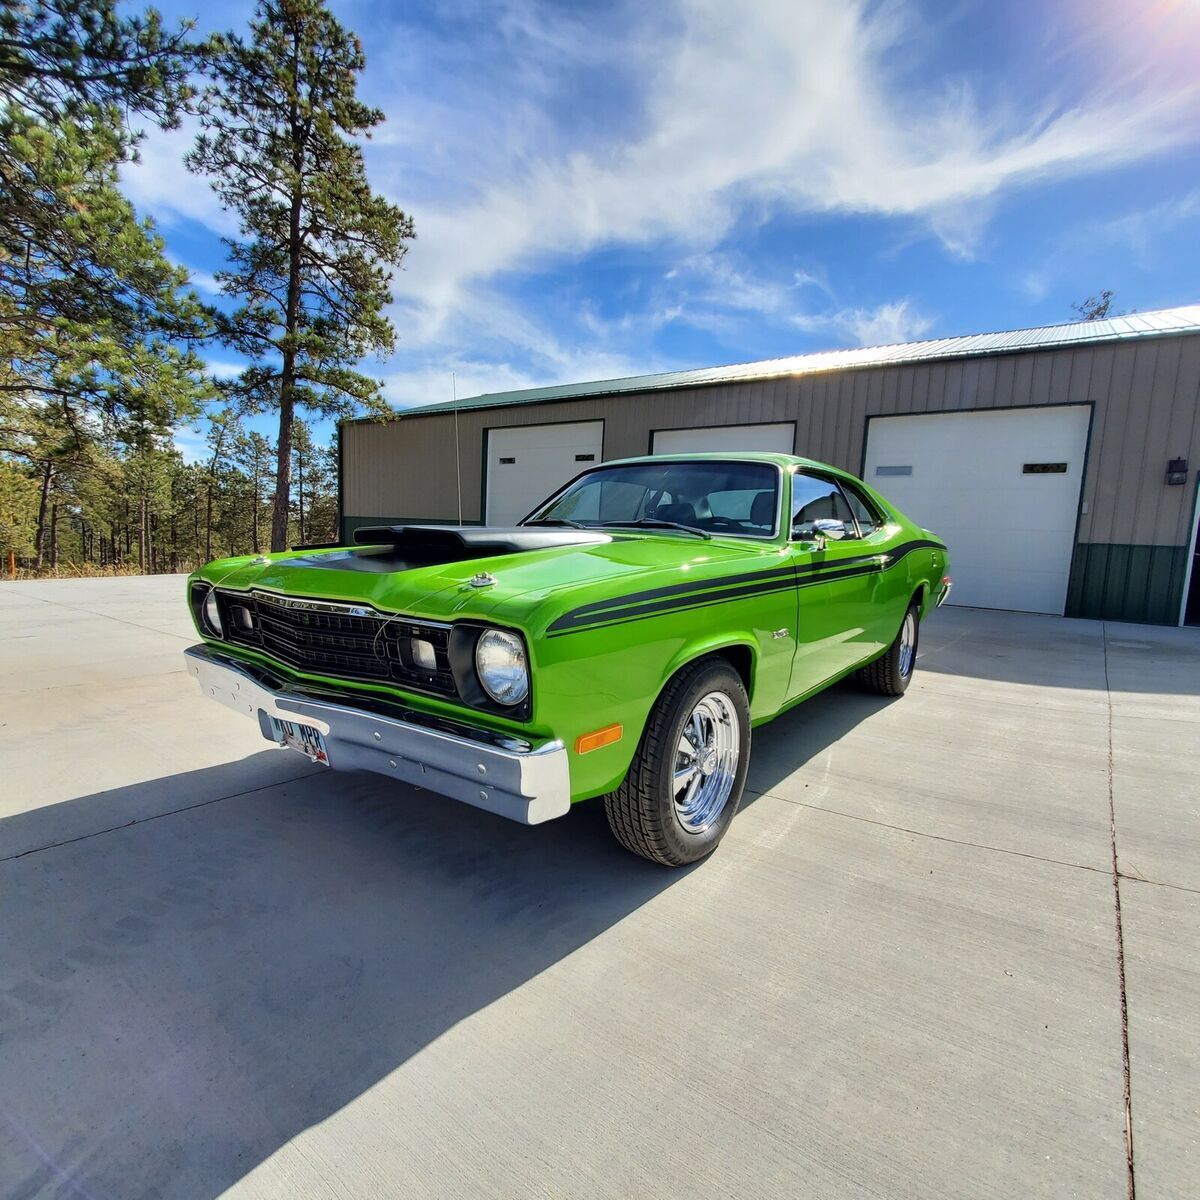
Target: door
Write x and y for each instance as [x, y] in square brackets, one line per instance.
[528, 463]
[718, 438]
[841, 618]
[1001, 488]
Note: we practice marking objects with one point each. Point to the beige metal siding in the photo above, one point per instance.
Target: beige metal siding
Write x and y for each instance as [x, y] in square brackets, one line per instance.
[1146, 396]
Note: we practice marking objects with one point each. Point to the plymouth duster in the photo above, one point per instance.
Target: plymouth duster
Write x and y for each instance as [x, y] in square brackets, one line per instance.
[621, 641]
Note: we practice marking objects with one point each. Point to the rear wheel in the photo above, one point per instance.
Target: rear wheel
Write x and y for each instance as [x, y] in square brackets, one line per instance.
[687, 777]
[889, 675]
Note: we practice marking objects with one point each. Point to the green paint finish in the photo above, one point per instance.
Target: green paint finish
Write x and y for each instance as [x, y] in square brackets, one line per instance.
[796, 615]
[1124, 582]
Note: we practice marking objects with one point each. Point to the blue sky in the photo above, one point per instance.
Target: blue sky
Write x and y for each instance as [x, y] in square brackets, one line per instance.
[604, 189]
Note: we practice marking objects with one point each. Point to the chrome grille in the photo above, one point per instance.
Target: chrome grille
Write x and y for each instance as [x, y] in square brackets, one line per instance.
[347, 641]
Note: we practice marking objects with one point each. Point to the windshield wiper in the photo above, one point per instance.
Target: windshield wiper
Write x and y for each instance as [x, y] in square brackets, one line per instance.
[655, 523]
[557, 521]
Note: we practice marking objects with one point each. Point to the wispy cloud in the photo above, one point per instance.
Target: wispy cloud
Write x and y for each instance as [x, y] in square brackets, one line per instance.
[160, 184]
[772, 107]
[225, 370]
[895, 321]
[1141, 229]
[204, 281]
[525, 137]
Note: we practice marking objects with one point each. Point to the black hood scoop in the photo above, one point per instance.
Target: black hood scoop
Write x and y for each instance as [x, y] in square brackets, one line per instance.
[430, 545]
[385, 549]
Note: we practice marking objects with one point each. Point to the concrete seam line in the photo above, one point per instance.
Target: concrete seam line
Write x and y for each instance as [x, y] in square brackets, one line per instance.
[1116, 883]
[83, 837]
[936, 837]
[91, 612]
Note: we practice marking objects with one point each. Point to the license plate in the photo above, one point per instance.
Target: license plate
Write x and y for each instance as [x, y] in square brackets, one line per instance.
[304, 738]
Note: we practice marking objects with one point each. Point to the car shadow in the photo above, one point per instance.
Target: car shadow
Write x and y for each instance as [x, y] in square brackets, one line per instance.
[807, 731]
[183, 994]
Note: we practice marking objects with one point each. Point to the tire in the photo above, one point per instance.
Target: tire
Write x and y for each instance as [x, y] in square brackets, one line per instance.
[644, 813]
[891, 673]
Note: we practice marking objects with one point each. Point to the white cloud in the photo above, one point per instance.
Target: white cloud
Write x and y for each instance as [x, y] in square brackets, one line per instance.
[225, 370]
[535, 136]
[771, 107]
[204, 281]
[161, 185]
[1141, 228]
[885, 325]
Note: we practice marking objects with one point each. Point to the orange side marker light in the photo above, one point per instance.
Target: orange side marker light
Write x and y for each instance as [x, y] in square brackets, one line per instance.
[587, 742]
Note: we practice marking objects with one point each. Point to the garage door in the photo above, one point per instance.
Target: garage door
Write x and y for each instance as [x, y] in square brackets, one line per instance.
[779, 437]
[529, 463]
[1002, 488]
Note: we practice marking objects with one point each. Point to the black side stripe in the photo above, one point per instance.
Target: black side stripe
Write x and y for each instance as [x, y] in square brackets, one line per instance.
[657, 601]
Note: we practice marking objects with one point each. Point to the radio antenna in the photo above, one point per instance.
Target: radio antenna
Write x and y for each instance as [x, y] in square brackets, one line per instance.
[457, 456]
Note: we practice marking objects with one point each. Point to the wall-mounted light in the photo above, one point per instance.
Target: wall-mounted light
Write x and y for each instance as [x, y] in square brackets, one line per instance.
[1177, 472]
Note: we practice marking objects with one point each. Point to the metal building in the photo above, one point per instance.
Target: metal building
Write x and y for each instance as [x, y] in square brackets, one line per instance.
[1059, 463]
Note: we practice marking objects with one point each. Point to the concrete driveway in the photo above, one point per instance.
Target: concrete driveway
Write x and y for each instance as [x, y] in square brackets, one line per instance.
[222, 969]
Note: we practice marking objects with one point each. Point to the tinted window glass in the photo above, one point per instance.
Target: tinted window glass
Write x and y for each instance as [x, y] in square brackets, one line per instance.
[816, 499]
[736, 498]
[864, 514]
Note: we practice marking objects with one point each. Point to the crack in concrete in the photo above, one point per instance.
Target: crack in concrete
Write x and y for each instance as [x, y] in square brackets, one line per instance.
[91, 612]
[935, 837]
[1116, 883]
[171, 812]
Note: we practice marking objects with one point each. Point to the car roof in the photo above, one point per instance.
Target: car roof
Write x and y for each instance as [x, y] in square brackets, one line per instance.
[785, 461]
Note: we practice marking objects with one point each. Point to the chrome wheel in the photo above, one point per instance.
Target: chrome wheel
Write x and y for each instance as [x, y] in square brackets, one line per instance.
[908, 643]
[706, 761]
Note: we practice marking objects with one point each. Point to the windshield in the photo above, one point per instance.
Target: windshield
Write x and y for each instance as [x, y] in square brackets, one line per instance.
[739, 499]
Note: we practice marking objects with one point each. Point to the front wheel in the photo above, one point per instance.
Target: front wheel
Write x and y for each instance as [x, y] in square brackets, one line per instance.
[687, 777]
[889, 675]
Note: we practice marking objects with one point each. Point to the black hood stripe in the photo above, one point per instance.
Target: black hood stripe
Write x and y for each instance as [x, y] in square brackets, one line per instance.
[656, 601]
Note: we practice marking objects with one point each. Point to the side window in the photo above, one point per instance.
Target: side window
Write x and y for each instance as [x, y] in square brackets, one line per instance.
[814, 499]
[864, 512]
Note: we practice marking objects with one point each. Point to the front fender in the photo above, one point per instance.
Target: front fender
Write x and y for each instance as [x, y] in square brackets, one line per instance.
[597, 678]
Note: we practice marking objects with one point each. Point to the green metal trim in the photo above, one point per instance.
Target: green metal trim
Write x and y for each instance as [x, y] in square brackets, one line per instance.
[1127, 582]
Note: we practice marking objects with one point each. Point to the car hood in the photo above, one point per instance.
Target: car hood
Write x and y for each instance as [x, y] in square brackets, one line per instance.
[527, 589]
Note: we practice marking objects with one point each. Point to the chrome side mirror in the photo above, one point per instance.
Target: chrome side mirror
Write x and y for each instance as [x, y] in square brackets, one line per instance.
[828, 527]
[820, 531]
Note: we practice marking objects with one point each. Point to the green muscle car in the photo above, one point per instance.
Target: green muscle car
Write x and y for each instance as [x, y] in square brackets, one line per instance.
[621, 641]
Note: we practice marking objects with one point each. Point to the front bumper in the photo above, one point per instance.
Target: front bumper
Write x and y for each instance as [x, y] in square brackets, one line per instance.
[504, 775]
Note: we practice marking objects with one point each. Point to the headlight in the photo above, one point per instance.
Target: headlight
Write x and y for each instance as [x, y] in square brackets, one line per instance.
[503, 671]
[212, 614]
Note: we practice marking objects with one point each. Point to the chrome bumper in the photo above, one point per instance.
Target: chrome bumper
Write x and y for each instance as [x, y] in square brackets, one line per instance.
[526, 783]
[947, 584]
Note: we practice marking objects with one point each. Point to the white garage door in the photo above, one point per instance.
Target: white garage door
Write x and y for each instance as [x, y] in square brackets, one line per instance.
[529, 463]
[726, 437]
[1002, 488]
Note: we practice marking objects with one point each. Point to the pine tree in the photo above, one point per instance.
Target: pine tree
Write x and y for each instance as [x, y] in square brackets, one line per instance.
[312, 266]
[93, 318]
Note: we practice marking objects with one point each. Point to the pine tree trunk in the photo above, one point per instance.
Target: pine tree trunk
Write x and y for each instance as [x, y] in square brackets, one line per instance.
[39, 535]
[54, 536]
[300, 491]
[208, 523]
[142, 535]
[255, 502]
[287, 383]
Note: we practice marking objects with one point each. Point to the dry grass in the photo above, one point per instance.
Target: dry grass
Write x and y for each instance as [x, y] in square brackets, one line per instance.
[78, 571]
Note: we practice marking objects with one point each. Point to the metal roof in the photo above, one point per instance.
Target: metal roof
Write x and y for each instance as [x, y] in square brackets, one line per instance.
[1044, 337]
